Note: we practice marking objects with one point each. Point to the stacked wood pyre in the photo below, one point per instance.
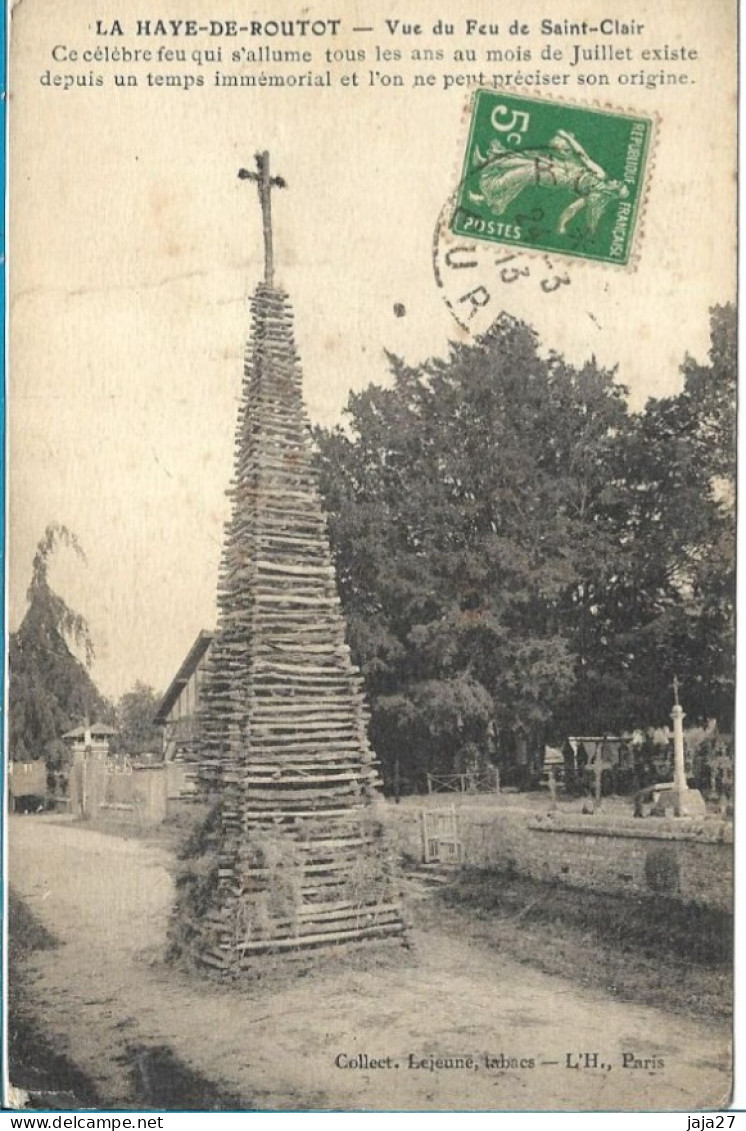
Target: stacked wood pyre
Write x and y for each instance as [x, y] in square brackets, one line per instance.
[294, 855]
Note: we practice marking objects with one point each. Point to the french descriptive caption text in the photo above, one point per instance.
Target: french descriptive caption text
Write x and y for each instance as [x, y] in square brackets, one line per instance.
[322, 52]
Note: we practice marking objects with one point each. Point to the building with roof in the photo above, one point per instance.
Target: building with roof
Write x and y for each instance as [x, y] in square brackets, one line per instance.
[178, 710]
[94, 737]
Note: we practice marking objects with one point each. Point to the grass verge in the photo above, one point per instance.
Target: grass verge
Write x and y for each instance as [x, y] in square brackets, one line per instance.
[650, 950]
[51, 1080]
[159, 1079]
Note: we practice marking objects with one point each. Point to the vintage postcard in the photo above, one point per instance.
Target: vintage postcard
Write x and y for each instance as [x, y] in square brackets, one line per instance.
[371, 542]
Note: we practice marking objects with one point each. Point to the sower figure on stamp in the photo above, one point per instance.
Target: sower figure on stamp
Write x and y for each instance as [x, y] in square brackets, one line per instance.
[564, 164]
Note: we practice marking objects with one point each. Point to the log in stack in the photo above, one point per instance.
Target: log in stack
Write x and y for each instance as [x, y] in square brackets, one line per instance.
[299, 857]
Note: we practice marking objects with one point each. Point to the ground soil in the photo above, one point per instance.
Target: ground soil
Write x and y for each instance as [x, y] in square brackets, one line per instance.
[142, 1034]
[640, 948]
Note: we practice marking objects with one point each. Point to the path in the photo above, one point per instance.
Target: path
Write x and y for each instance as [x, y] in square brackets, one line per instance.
[107, 899]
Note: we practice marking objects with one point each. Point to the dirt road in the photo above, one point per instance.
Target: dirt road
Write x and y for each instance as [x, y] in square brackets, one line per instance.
[302, 1043]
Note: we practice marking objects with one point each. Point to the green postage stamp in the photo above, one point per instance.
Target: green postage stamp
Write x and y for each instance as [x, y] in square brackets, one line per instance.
[553, 177]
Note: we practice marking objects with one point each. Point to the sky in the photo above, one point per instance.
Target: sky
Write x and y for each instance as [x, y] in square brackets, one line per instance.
[133, 248]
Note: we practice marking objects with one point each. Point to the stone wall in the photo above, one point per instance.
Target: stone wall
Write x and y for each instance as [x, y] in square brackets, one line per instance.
[686, 859]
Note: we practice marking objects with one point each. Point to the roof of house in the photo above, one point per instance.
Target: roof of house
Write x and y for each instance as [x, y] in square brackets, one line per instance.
[98, 730]
[183, 675]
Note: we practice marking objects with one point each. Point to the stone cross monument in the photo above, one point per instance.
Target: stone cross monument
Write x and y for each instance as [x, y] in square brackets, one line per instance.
[687, 802]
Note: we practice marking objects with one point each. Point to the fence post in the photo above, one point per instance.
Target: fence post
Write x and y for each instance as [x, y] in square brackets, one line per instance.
[458, 848]
[497, 779]
[552, 787]
[84, 788]
[429, 784]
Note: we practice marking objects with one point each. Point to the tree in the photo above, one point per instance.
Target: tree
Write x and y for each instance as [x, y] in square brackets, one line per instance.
[135, 712]
[50, 690]
[668, 605]
[460, 503]
[521, 558]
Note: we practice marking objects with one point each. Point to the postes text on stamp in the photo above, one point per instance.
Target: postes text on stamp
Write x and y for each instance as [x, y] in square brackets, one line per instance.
[553, 177]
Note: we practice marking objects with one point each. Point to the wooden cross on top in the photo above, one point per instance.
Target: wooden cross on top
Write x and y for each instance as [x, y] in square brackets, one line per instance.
[265, 183]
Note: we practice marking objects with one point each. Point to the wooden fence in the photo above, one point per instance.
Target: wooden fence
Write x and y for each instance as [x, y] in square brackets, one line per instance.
[486, 781]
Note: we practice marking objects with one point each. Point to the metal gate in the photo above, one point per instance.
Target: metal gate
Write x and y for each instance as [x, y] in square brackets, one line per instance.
[441, 837]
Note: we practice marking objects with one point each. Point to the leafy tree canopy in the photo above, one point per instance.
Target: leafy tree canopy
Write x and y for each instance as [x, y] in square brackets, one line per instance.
[519, 555]
[50, 690]
[137, 733]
